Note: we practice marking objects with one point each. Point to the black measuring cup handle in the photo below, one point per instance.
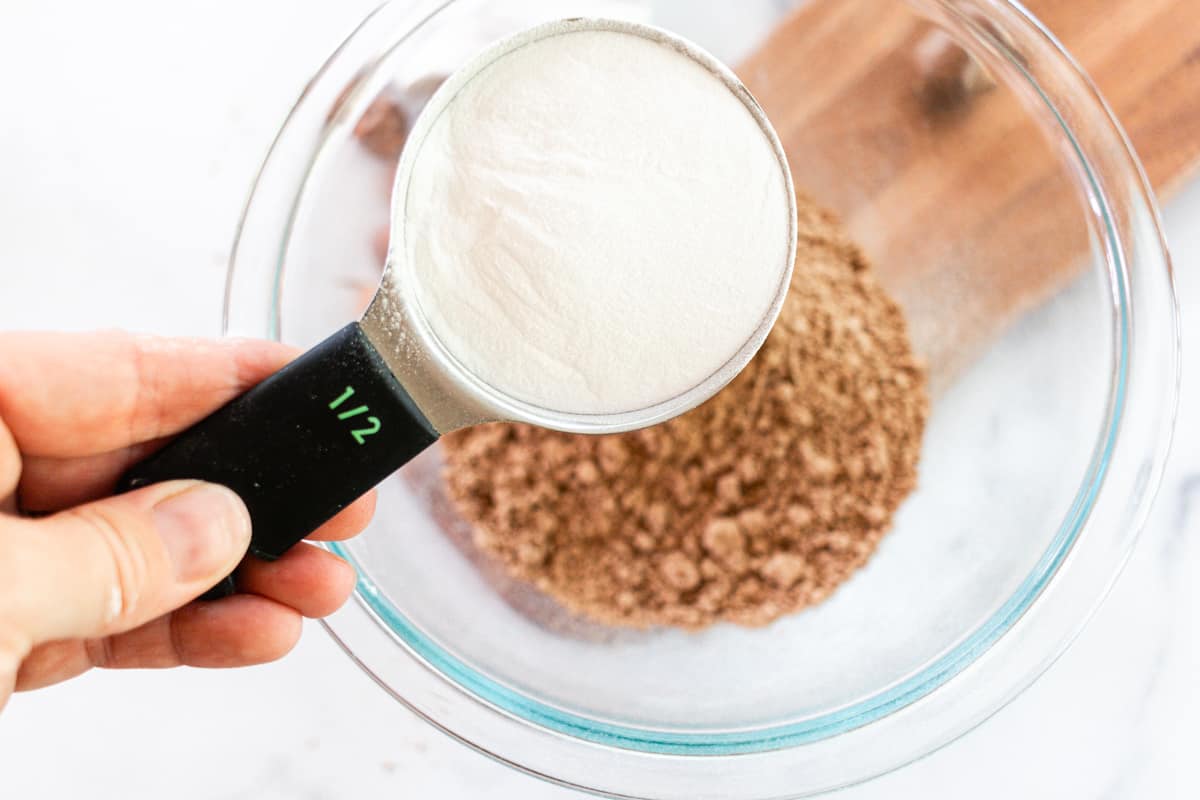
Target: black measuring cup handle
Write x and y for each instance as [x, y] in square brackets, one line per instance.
[302, 445]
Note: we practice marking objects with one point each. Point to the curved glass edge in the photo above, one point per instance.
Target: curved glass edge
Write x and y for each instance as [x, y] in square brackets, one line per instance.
[765, 739]
[866, 711]
[896, 698]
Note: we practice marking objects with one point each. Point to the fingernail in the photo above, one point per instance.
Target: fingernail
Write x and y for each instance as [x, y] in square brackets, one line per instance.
[203, 529]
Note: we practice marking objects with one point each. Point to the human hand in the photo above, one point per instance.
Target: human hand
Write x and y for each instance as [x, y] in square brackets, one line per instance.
[92, 580]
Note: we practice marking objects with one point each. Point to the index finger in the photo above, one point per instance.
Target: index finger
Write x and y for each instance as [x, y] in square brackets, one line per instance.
[65, 395]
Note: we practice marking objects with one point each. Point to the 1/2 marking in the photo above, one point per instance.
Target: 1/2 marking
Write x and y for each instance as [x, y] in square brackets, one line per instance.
[360, 434]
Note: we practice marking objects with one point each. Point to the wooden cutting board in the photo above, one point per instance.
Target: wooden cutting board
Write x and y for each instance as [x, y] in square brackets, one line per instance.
[956, 193]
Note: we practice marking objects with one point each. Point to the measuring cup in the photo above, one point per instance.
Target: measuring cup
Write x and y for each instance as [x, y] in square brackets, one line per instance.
[309, 440]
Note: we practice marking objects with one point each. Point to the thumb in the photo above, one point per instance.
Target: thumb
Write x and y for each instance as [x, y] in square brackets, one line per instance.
[112, 565]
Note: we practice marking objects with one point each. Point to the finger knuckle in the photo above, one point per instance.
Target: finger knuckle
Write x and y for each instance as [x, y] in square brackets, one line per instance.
[125, 561]
[99, 652]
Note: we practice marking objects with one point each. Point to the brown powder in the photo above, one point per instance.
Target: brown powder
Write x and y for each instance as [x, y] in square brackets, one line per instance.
[757, 504]
[384, 125]
[383, 128]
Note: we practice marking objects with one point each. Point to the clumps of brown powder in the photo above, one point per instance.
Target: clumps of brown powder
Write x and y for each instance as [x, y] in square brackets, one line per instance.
[757, 504]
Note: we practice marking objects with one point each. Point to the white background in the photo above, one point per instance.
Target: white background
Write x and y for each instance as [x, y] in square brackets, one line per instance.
[129, 134]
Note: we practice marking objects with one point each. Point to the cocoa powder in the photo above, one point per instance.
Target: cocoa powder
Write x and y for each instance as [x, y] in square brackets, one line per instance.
[756, 504]
[383, 128]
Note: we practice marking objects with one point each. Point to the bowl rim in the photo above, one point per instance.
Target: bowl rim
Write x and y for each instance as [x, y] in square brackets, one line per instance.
[490, 402]
[572, 749]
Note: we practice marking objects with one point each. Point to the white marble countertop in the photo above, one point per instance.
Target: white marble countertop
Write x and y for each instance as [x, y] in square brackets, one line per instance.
[131, 130]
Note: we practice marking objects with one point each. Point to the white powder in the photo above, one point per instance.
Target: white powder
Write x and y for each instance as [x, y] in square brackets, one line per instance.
[596, 223]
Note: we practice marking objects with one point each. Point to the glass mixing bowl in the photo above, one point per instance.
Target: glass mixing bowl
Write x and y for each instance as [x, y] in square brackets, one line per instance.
[1042, 454]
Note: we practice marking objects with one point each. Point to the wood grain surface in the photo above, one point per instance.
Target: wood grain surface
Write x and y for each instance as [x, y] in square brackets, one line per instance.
[948, 181]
